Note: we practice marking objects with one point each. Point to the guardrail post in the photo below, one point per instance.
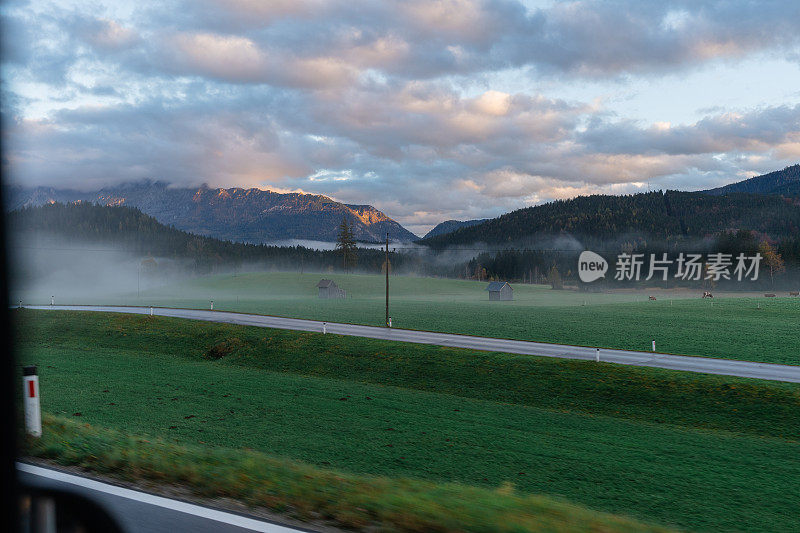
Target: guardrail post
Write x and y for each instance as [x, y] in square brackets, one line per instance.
[33, 414]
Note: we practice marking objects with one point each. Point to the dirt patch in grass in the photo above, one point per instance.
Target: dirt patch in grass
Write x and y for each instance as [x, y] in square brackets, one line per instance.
[222, 349]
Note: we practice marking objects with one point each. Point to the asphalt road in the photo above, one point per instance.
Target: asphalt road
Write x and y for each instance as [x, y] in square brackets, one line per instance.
[707, 365]
[138, 512]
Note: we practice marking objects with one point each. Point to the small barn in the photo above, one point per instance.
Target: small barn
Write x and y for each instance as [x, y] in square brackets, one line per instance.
[329, 289]
[500, 290]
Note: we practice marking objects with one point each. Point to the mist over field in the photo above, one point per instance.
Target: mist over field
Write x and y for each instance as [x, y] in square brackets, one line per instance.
[43, 266]
[319, 245]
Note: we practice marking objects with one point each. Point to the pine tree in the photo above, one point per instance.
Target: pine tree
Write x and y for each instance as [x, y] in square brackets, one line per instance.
[346, 244]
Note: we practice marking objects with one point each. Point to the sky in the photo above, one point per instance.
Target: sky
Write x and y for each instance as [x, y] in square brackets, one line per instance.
[428, 110]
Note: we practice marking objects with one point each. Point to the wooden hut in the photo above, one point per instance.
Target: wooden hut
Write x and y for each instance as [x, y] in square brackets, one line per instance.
[329, 289]
[500, 290]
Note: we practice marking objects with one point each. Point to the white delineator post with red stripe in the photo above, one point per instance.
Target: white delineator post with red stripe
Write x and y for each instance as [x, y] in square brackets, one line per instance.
[33, 413]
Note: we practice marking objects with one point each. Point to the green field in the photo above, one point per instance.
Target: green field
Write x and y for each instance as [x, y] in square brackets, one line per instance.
[317, 496]
[733, 326]
[699, 452]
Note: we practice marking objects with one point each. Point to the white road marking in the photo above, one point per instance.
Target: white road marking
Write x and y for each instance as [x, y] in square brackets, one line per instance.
[150, 499]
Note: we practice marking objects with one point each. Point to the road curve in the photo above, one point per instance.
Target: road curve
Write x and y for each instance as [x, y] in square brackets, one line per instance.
[707, 365]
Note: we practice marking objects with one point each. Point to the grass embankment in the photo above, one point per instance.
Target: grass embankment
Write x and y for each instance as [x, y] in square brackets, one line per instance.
[701, 452]
[309, 493]
[754, 329]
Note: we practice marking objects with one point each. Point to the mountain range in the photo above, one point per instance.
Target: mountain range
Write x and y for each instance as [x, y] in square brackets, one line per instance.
[765, 204]
[235, 214]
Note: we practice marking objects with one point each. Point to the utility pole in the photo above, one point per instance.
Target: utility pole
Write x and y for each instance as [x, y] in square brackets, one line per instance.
[387, 279]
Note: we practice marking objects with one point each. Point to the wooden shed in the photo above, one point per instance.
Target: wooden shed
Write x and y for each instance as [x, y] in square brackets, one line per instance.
[329, 289]
[500, 290]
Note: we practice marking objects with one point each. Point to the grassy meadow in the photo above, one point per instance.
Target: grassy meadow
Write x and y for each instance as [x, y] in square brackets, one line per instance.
[320, 495]
[734, 326]
[692, 451]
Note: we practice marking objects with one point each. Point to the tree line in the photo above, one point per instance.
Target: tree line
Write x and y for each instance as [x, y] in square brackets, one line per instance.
[605, 220]
[129, 229]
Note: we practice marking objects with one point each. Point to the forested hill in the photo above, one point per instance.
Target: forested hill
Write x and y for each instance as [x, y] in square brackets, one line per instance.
[449, 226]
[124, 228]
[784, 182]
[657, 215]
[128, 229]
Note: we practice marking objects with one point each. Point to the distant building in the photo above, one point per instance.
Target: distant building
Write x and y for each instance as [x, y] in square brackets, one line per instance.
[328, 289]
[500, 290]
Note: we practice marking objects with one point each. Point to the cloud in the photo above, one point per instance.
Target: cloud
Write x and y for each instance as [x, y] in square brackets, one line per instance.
[185, 144]
[238, 59]
[390, 103]
[587, 38]
[332, 42]
[107, 34]
[411, 149]
[225, 57]
[753, 131]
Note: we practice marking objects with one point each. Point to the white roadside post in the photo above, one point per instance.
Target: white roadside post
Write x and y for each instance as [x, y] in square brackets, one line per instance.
[654, 345]
[20, 304]
[212, 305]
[151, 310]
[33, 414]
[324, 328]
[597, 355]
[390, 321]
[52, 300]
